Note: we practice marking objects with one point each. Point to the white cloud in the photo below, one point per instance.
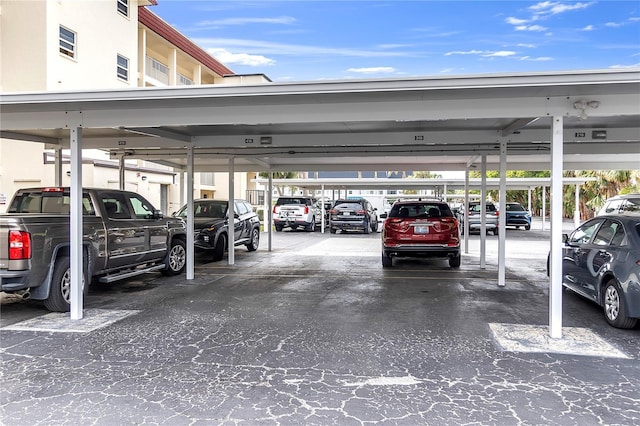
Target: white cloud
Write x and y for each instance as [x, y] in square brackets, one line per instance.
[281, 20]
[625, 66]
[483, 53]
[229, 58]
[499, 54]
[553, 8]
[529, 46]
[373, 70]
[515, 21]
[614, 24]
[269, 48]
[588, 28]
[537, 28]
[538, 59]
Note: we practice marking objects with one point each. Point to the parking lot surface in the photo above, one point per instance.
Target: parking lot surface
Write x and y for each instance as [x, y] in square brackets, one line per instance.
[317, 333]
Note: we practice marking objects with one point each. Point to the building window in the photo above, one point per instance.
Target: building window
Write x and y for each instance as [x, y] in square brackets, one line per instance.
[123, 68]
[207, 178]
[67, 42]
[123, 7]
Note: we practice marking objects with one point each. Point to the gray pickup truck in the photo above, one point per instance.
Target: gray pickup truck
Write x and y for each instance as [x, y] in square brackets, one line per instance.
[123, 236]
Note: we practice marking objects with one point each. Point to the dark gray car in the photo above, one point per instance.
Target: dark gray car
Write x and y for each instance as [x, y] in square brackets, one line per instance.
[601, 261]
[211, 223]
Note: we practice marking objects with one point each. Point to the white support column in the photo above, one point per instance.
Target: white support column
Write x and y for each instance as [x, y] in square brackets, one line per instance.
[502, 218]
[183, 181]
[544, 208]
[555, 286]
[270, 210]
[232, 213]
[58, 166]
[173, 67]
[529, 202]
[465, 210]
[190, 221]
[75, 250]
[483, 210]
[323, 209]
[576, 212]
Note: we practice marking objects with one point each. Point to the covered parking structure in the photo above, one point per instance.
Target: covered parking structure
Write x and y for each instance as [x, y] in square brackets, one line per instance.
[544, 121]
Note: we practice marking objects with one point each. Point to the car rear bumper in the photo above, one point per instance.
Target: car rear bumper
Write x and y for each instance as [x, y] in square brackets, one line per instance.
[347, 225]
[421, 250]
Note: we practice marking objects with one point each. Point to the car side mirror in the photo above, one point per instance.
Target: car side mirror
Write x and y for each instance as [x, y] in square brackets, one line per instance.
[157, 214]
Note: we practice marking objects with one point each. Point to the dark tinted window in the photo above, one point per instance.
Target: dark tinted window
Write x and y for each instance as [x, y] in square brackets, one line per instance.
[293, 200]
[206, 209]
[420, 210]
[515, 208]
[583, 234]
[54, 202]
[489, 207]
[632, 205]
[349, 205]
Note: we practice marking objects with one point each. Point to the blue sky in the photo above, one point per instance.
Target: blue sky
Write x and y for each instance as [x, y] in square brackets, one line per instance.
[334, 40]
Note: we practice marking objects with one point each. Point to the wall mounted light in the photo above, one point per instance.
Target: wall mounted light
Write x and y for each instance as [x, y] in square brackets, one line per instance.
[69, 173]
[582, 106]
[144, 178]
[266, 140]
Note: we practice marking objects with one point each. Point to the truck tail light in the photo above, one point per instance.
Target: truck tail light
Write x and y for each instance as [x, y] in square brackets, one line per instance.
[19, 245]
[306, 209]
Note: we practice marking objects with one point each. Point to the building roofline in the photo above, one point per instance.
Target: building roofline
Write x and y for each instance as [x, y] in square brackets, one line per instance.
[167, 32]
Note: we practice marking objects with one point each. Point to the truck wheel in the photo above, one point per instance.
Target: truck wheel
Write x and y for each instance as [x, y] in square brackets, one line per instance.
[332, 230]
[367, 227]
[60, 291]
[387, 261]
[279, 228]
[218, 251]
[527, 227]
[255, 240]
[176, 258]
[454, 262]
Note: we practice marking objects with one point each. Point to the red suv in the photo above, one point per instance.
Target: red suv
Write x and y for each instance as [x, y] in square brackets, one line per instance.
[420, 228]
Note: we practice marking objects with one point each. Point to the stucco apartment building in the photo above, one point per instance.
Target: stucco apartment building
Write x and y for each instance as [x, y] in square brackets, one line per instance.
[63, 45]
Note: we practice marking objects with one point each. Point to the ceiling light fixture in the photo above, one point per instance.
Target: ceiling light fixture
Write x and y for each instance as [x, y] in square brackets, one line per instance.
[582, 106]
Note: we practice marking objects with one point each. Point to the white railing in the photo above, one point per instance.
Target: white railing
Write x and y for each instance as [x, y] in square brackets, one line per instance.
[157, 70]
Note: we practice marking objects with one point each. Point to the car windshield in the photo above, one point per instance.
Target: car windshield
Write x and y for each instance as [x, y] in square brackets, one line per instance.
[515, 208]
[211, 209]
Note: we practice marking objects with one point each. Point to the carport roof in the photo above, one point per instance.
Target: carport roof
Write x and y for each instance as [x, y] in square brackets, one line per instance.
[421, 123]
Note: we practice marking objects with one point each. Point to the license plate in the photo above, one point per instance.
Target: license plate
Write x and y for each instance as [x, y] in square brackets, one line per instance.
[346, 213]
[421, 229]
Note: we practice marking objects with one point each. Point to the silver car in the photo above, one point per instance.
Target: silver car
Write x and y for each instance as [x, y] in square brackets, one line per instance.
[472, 214]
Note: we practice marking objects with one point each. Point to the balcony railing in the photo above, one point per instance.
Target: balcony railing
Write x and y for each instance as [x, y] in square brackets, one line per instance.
[157, 70]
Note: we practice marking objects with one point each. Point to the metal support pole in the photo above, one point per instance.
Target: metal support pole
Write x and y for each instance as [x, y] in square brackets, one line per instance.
[502, 218]
[270, 210]
[58, 166]
[483, 212]
[544, 208]
[465, 211]
[76, 251]
[323, 210]
[555, 286]
[121, 171]
[576, 212]
[190, 221]
[232, 214]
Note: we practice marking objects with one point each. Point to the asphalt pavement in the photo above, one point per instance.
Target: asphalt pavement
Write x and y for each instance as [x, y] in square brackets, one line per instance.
[316, 332]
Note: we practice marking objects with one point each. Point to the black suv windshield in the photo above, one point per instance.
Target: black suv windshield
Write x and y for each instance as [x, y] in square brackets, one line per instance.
[206, 208]
[515, 208]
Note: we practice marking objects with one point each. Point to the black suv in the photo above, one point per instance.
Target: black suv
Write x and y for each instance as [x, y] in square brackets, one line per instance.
[357, 214]
[211, 225]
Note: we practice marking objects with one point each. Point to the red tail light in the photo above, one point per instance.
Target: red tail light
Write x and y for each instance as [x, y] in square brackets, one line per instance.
[360, 211]
[333, 211]
[306, 209]
[19, 245]
[275, 209]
